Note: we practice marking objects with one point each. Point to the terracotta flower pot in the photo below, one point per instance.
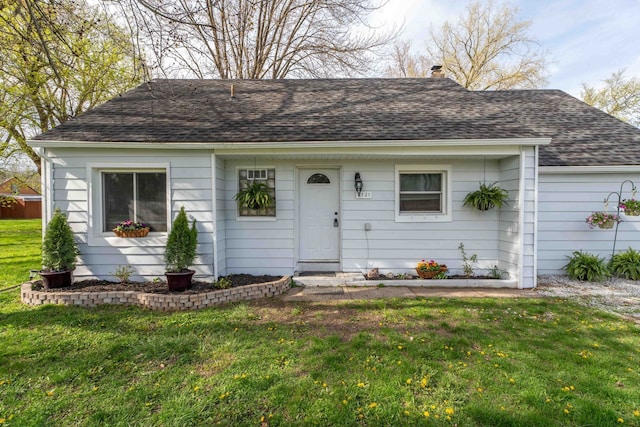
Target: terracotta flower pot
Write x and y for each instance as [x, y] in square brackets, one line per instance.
[56, 279]
[179, 281]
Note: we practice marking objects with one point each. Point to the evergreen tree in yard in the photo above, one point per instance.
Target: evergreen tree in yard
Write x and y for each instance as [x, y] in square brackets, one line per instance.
[59, 248]
[181, 244]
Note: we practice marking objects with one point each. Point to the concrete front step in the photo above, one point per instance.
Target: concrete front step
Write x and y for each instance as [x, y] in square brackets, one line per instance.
[357, 279]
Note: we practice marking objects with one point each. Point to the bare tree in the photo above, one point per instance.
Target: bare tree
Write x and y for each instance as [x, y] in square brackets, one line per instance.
[255, 39]
[620, 97]
[487, 48]
[406, 64]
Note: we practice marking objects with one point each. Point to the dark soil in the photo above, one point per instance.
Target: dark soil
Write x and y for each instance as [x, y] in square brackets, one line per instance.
[159, 287]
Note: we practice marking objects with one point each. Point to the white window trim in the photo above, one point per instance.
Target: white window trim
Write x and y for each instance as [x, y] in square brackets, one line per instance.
[95, 235]
[447, 193]
[237, 188]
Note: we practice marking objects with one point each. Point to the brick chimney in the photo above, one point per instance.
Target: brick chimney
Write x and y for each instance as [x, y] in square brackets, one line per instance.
[436, 72]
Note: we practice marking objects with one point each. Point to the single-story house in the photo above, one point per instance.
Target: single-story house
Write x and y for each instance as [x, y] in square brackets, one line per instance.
[417, 145]
[28, 202]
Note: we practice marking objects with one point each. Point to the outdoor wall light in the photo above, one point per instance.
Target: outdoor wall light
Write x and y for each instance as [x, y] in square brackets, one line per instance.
[358, 183]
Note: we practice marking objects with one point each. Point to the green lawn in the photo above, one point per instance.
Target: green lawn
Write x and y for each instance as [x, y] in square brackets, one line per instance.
[20, 245]
[493, 362]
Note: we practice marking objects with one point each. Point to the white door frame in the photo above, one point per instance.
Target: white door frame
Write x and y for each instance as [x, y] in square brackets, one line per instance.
[319, 265]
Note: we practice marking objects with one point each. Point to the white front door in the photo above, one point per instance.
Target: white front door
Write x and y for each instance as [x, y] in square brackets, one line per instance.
[319, 214]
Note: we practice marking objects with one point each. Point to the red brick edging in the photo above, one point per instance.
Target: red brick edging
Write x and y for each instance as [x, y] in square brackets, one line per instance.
[164, 302]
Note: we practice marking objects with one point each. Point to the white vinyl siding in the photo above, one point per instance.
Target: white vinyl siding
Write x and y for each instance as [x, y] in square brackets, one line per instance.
[394, 246]
[270, 246]
[517, 219]
[564, 202]
[221, 236]
[260, 245]
[76, 176]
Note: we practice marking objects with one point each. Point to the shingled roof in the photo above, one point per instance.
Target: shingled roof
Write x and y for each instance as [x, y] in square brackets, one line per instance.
[177, 111]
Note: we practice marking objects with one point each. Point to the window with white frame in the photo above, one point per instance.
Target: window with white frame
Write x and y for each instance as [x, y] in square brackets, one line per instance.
[423, 193]
[264, 175]
[134, 195]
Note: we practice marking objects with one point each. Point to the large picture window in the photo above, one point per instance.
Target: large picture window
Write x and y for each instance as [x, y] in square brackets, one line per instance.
[423, 193]
[139, 196]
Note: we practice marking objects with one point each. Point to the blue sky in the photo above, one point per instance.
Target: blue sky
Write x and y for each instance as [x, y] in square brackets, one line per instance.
[586, 40]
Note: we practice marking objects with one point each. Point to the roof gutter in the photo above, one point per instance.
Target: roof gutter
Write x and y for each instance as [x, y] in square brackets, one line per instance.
[565, 170]
[293, 144]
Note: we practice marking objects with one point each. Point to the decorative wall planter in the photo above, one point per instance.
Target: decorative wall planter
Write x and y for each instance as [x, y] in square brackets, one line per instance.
[142, 232]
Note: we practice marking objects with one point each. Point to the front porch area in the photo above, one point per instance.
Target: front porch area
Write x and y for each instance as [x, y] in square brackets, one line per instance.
[339, 279]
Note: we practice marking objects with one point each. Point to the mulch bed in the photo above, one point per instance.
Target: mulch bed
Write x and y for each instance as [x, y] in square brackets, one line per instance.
[159, 287]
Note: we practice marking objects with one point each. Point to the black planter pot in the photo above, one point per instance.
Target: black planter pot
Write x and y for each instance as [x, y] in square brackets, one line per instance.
[179, 281]
[56, 279]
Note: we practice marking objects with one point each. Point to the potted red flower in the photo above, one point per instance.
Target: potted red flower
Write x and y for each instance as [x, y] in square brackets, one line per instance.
[430, 269]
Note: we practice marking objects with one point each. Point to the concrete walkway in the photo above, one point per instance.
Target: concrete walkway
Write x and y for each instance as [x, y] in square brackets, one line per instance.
[339, 286]
[346, 293]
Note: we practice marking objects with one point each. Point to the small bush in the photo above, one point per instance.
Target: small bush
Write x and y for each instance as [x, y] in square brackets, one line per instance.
[626, 264]
[222, 283]
[123, 273]
[586, 266]
[59, 248]
[496, 272]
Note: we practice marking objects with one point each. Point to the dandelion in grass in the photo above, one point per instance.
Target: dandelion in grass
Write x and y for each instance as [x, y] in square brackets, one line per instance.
[621, 421]
[449, 411]
[426, 414]
[408, 381]
[423, 382]
[373, 405]
[360, 384]
[636, 413]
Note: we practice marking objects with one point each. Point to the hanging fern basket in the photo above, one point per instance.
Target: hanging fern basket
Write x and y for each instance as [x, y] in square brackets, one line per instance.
[487, 197]
[256, 195]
